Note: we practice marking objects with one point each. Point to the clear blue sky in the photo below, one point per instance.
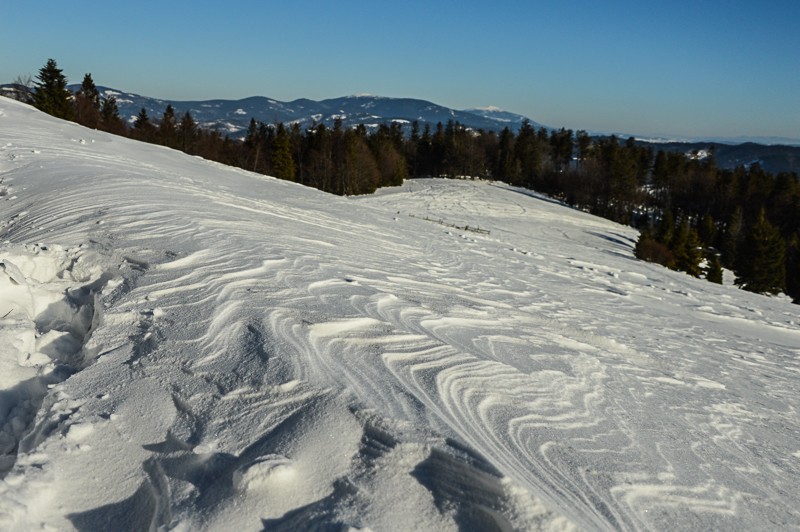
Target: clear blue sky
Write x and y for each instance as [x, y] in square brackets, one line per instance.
[689, 68]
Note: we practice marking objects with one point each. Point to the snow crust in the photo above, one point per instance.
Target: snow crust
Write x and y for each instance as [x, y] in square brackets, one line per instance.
[185, 346]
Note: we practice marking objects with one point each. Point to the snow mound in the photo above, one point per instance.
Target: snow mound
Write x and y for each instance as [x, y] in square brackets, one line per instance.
[47, 315]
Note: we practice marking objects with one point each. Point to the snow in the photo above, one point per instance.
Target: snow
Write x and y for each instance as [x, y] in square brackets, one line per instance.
[118, 96]
[699, 155]
[193, 347]
[657, 140]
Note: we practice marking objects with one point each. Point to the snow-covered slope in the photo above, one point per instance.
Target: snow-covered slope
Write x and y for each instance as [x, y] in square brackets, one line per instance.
[192, 347]
[504, 118]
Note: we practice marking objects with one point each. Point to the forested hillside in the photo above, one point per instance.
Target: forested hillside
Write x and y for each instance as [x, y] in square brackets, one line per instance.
[694, 216]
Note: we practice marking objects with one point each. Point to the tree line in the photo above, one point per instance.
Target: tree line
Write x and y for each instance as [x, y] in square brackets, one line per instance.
[693, 216]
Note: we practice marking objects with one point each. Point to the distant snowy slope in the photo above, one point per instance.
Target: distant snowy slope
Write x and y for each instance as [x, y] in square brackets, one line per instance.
[193, 347]
[504, 118]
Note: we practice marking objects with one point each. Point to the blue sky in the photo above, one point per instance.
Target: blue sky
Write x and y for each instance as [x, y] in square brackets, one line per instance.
[685, 68]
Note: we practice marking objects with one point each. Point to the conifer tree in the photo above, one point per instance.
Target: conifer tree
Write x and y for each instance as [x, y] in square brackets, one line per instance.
[687, 249]
[167, 128]
[714, 269]
[731, 238]
[142, 119]
[649, 249]
[424, 153]
[52, 95]
[282, 161]
[251, 155]
[187, 133]
[109, 117]
[562, 145]
[87, 103]
[525, 151]
[793, 268]
[762, 262]
[438, 151]
[666, 227]
[645, 238]
[143, 129]
[507, 167]
[389, 161]
[584, 142]
[707, 230]
[361, 175]
[411, 149]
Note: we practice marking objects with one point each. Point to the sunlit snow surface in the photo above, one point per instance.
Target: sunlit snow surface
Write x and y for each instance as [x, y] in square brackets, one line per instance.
[189, 346]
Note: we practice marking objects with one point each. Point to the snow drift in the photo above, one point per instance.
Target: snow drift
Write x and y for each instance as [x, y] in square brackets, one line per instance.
[187, 346]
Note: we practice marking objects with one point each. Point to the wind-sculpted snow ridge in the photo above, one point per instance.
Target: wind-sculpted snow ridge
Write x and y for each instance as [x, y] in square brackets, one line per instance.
[187, 346]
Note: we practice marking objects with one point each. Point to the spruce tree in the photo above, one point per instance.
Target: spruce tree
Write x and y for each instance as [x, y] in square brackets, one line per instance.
[584, 142]
[526, 151]
[142, 120]
[647, 248]
[666, 228]
[425, 153]
[389, 161]
[731, 239]
[714, 269]
[143, 129]
[508, 168]
[282, 161]
[253, 144]
[762, 262]
[362, 173]
[410, 149]
[707, 230]
[187, 133]
[793, 268]
[109, 117]
[687, 249]
[167, 128]
[89, 90]
[87, 103]
[52, 95]
[645, 237]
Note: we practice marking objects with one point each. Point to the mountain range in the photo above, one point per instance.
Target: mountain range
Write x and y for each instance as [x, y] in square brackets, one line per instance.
[232, 117]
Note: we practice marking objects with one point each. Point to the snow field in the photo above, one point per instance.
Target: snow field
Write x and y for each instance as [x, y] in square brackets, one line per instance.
[197, 347]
